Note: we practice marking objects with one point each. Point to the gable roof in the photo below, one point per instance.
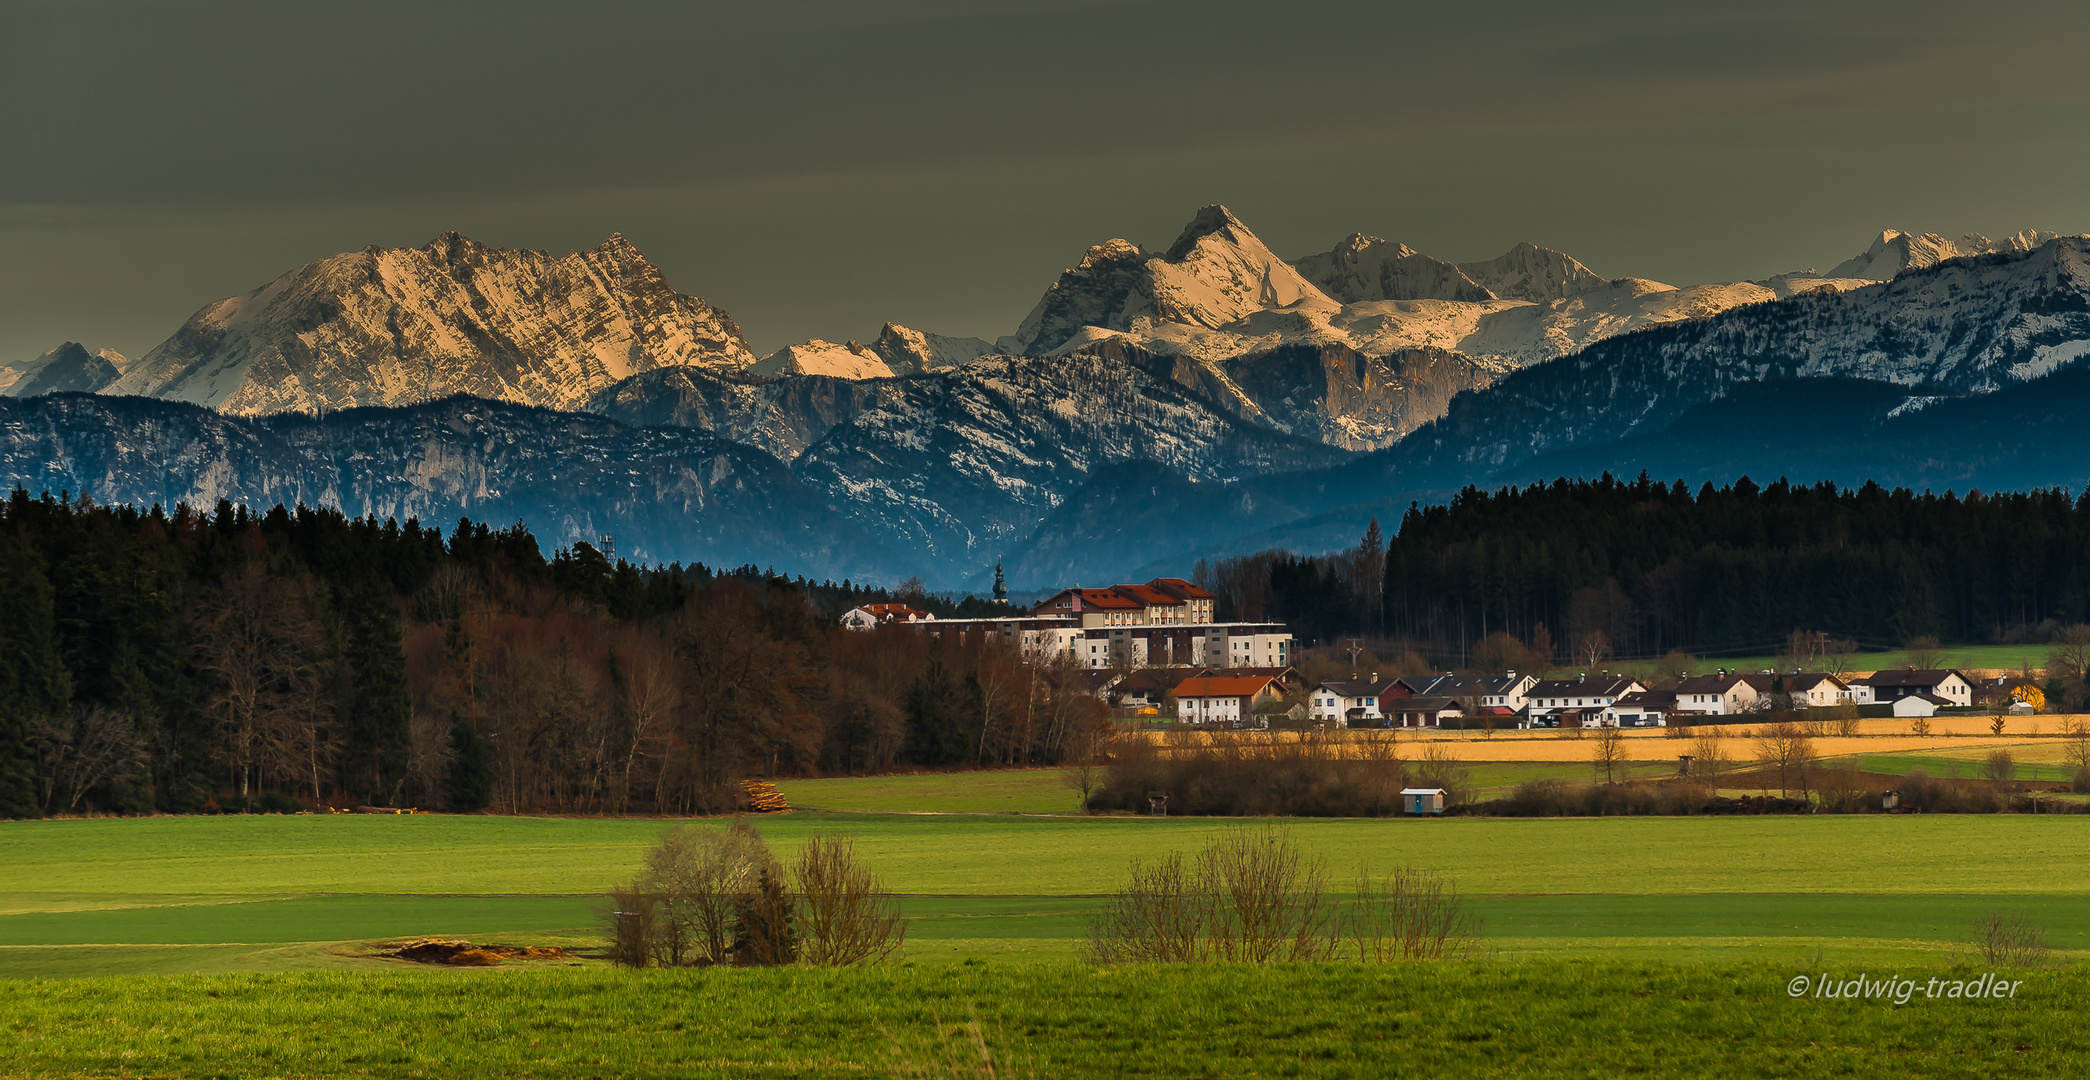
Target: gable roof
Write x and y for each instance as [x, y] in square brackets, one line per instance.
[1425, 704]
[1464, 685]
[1800, 684]
[1358, 687]
[1180, 589]
[1716, 685]
[1924, 677]
[1146, 596]
[1090, 599]
[1223, 686]
[1595, 686]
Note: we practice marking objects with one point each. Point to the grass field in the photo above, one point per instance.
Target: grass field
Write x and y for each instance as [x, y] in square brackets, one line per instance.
[278, 893]
[1475, 1019]
[1642, 946]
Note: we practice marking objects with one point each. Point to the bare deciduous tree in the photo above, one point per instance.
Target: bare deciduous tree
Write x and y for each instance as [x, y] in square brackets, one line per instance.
[847, 916]
[1593, 648]
[1787, 749]
[1409, 915]
[1609, 754]
[696, 877]
[255, 636]
[1925, 654]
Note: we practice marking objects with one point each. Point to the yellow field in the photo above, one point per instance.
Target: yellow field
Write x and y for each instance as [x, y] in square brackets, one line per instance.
[2031, 739]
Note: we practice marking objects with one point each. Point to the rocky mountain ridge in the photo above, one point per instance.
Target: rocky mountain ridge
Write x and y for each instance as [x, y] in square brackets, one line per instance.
[391, 326]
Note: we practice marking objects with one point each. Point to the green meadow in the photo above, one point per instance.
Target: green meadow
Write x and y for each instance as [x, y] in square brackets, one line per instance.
[248, 946]
[273, 893]
[1536, 1018]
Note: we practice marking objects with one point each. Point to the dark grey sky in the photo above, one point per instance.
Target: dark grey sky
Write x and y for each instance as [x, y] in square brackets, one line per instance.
[819, 167]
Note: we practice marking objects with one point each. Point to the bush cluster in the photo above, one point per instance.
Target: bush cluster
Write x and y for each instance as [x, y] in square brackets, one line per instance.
[1250, 896]
[719, 896]
[1268, 773]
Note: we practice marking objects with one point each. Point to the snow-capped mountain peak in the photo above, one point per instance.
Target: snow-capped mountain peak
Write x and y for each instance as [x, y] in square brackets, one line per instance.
[1529, 272]
[908, 351]
[68, 367]
[848, 360]
[1363, 269]
[1894, 251]
[389, 326]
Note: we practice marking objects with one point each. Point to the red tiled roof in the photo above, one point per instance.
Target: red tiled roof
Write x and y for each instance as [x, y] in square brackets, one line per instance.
[1211, 686]
[1177, 587]
[1146, 595]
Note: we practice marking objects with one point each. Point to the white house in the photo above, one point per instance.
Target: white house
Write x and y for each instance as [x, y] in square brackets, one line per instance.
[1883, 687]
[1509, 691]
[1223, 699]
[1589, 696]
[1716, 695]
[1817, 689]
[1353, 702]
[1919, 705]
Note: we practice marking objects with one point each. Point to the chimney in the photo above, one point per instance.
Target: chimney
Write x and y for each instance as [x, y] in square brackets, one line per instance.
[1375, 676]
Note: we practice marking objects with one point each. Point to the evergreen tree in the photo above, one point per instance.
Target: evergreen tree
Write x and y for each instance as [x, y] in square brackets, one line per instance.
[378, 706]
[34, 684]
[934, 731]
[469, 784]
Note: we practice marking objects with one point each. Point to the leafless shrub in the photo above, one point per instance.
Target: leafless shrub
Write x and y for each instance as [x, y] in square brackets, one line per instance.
[1920, 726]
[1158, 917]
[2081, 783]
[1841, 793]
[1248, 897]
[846, 915]
[1999, 766]
[1440, 768]
[2010, 941]
[1271, 905]
[1708, 760]
[1410, 914]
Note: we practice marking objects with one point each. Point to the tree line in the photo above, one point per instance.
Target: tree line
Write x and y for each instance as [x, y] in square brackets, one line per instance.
[1638, 569]
[224, 660]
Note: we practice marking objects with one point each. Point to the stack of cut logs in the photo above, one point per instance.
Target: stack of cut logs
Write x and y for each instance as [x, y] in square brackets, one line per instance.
[763, 797]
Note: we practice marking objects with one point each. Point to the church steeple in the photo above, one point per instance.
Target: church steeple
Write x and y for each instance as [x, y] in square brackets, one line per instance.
[1001, 590]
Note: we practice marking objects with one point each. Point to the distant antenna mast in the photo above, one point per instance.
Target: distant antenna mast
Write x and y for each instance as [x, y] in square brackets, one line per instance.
[609, 548]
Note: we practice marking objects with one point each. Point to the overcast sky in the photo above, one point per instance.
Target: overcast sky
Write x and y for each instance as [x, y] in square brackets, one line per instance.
[817, 168]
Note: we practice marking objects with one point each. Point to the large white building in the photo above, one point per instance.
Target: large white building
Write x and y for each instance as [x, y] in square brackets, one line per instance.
[1165, 623]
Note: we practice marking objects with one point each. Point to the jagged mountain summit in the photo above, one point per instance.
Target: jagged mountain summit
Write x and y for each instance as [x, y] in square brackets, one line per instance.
[391, 326]
[69, 367]
[1894, 251]
[1363, 269]
[1215, 274]
[816, 357]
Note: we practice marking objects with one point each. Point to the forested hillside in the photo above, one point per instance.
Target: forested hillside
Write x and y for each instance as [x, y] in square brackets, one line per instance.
[1655, 567]
[226, 660]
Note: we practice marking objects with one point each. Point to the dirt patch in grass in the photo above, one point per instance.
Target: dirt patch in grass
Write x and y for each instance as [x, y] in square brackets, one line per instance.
[465, 954]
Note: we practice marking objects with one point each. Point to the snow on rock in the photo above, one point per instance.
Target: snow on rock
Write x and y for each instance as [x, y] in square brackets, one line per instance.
[69, 367]
[909, 351]
[389, 326]
[1530, 272]
[1894, 251]
[1363, 269]
[816, 357]
[1216, 273]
